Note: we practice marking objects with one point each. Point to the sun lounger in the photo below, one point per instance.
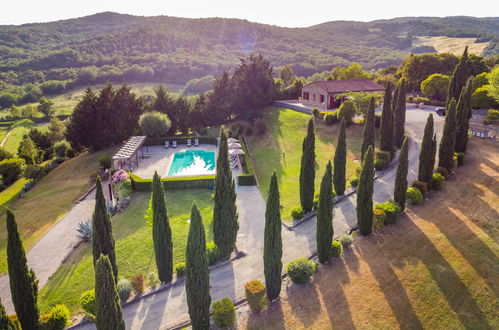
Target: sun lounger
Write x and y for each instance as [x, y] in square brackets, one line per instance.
[174, 143]
[167, 144]
[189, 143]
[196, 142]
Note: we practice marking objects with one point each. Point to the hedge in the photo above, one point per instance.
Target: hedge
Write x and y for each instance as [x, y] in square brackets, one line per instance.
[140, 184]
[180, 140]
[248, 178]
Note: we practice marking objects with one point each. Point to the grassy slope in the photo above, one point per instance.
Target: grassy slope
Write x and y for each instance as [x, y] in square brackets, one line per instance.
[285, 133]
[134, 247]
[436, 268]
[17, 132]
[451, 45]
[50, 199]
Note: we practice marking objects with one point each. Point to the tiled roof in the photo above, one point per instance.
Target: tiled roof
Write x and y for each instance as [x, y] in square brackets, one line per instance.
[342, 86]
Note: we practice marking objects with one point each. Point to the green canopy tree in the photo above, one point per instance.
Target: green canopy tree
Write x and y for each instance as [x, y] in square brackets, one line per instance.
[272, 246]
[399, 194]
[307, 170]
[340, 161]
[225, 223]
[386, 125]
[108, 312]
[425, 165]
[436, 86]
[399, 115]
[463, 115]
[102, 231]
[324, 231]
[23, 282]
[459, 77]
[365, 194]
[197, 278]
[161, 232]
[369, 129]
[447, 142]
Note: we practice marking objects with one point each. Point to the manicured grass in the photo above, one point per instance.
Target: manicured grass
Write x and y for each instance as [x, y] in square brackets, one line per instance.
[280, 149]
[50, 199]
[12, 191]
[17, 132]
[134, 247]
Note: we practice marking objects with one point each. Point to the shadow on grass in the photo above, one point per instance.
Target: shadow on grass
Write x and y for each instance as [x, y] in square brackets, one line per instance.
[307, 309]
[272, 312]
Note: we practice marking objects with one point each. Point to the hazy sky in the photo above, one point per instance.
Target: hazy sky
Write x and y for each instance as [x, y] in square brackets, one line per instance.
[284, 13]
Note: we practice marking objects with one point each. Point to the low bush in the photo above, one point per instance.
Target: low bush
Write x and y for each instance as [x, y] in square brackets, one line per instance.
[246, 180]
[437, 181]
[316, 113]
[443, 171]
[346, 240]
[301, 269]
[414, 195]
[421, 186]
[382, 159]
[212, 253]
[56, 319]
[11, 170]
[180, 269]
[84, 230]
[13, 318]
[420, 99]
[391, 210]
[256, 295]
[138, 284]
[379, 164]
[379, 218]
[460, 158]
[70, 153]
[93, 176]
[87, 302]
[330, 119]
[105, 162]
[354, 182]
[493, 114]
[152, 279]
[224, 313]
[336, 249]
[124, 289]
[61, 147]
[297, 213]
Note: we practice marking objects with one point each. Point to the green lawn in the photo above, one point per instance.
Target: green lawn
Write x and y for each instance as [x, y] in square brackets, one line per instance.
[134, 247]
[280, 149]
[17, 132]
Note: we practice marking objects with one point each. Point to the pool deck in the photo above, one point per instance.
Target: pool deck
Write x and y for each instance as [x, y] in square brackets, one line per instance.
[159, 158]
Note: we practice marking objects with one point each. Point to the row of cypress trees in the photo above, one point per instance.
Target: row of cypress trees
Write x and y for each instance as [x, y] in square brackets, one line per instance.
[393, 117]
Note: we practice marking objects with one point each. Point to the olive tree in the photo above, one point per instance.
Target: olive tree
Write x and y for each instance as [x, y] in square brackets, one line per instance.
[154, 124]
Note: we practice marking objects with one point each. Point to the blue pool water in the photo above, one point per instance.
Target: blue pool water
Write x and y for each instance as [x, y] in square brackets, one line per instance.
[192, 162]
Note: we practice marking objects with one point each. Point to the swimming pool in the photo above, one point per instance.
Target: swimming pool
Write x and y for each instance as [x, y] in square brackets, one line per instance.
[192, 162]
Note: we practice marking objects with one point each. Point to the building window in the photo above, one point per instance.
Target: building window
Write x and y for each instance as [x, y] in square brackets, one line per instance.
[322, 98]
[313, 97]
[305, 95]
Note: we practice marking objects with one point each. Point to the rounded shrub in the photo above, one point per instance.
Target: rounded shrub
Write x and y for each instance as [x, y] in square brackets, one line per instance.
[301, 269]
[224, 313]
[347, 111]
[56, 319]
[354, 182]
[11, 170]
[256, 295]
[336, 249]
[212, 254]
[379, 164]
[124, 288]
[87, 302]
[330, 119]
[154, 124]
[443, 171]
[61, 147]
[152, 279]
[379, 218]
[414, 195]
[422, 186]
[297, 213]
[105, 162]
[346, 240]
[315, 112]
[460, 158]
[180, 269]
[138, 284]
[391, 210]
[437, 181]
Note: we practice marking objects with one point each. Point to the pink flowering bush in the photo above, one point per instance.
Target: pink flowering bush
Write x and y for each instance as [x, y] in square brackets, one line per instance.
[120, 176]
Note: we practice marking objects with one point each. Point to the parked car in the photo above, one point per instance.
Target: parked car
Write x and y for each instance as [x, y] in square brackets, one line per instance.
[441, 111]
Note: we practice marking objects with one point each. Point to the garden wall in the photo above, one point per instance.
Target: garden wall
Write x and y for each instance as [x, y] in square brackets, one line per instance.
[180, 140]
[140, 184]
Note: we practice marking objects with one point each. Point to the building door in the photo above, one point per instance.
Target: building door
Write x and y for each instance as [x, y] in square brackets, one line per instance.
[330, 104]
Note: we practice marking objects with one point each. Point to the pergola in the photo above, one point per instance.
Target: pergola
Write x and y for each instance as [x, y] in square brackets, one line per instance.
[129, 153]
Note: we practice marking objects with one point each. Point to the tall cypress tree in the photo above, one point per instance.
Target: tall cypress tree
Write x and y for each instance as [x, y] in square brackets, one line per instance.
[446, 149]
[23, 282]
[386, 126]
[365, 194]
[197, 277]
[401, 176]
[463, 115]
[425, 153]
[161, 232]
[459, 77]
[369, 130]
[108, 312]
[225, 223]
[431, 167]
[307, 170]
[324, 231]
[102, 231]
[5, 322]
[340, 161]
[272, 248]
[400, 115]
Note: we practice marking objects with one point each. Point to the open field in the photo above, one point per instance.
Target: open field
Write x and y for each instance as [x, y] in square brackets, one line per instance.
[134, 246]
[50, 199]
[280, 149]
[436, 268]
[451, 45]
[15, 135]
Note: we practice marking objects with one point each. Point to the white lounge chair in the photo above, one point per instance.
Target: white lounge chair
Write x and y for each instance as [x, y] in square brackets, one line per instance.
[167, 144]
[196, 142]
[189, 143]
[174, 143]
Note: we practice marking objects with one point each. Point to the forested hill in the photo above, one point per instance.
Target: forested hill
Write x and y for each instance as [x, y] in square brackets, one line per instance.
[116, 47]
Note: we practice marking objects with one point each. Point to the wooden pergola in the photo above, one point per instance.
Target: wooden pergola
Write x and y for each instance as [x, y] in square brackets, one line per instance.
[128, 155]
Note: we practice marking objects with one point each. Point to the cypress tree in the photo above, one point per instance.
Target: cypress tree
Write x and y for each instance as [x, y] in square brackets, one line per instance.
[161, 232]
[307, 170]
[459, 77]
[400, 115]
[102, 231]
[225, 223]
[365, 194]
[431, 167]
[425, 153]
[401, 176]
[463, 115]
[5, 321]
[369, 133]
[386, 126]
[272, 248]
[197, 278]
[324, 231]
[340, 161]
[108, 312]
[23, 282]
[446, 149]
